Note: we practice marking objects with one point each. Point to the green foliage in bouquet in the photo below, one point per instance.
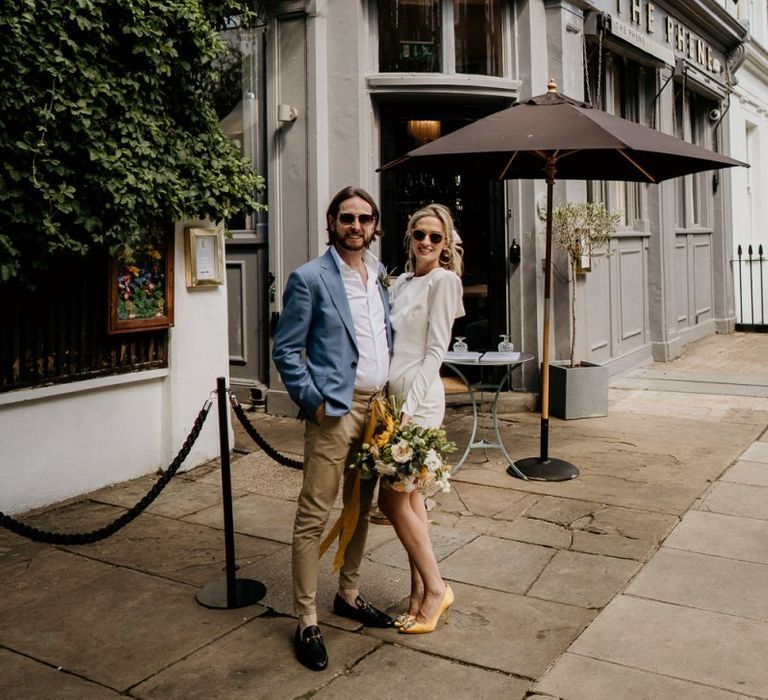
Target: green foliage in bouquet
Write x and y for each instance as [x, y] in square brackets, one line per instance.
[405, 457]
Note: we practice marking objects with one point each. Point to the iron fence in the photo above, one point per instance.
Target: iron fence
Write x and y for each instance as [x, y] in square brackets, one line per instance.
[749, 276]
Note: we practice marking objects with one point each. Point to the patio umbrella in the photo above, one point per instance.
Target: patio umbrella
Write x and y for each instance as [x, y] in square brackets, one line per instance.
[554, 135]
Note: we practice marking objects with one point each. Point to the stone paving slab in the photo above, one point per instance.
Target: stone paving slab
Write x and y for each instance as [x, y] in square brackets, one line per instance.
[477, 525]
[445, 541]
[756, 452]
[622, 532]
[15, 549]
[286, 434]
[260, 516]
[610, 489]
[745, 500]
[519, 504]
[576, 677]
[485, 501]
[744, 472]
[258, 473]
[536, 532]
[704, 581]
[115, 627]
[722, 535]
[707, 377]
[510, 633]
[587, 580]
[174, 549]
[401, 674]
[180, 497]
[738, 410]
[562, 510]
[695, 645]
[25, 679]
[493, 562]
[736, 387]
[383, 586]
[254, 662]
[51, 573]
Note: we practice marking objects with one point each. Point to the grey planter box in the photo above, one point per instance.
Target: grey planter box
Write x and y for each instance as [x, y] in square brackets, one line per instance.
[578, 392]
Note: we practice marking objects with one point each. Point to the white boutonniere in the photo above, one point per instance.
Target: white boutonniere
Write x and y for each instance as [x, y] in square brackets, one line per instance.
[384, 279]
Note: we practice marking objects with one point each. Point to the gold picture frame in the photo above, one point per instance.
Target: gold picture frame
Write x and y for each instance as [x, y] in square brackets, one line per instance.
[203, 257]
[141, 288]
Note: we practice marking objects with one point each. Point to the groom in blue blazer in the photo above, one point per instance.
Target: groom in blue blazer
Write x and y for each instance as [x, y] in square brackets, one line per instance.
[331, 347]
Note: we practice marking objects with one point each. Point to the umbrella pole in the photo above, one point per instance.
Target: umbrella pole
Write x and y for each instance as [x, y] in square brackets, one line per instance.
[542, 468]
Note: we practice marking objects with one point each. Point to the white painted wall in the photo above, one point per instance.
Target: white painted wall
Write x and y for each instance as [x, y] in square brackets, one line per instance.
[748, 133]
[62, 441]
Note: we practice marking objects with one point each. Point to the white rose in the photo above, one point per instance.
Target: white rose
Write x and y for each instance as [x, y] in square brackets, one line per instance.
[385, 469]
[402, 452]
[432, 461]
[443, 484]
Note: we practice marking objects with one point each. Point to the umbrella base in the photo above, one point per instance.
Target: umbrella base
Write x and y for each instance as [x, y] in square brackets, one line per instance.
[246, 592]
[536, 469]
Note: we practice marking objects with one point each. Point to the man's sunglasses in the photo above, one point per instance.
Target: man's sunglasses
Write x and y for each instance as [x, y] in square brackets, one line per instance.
[365, 219]
[418, 235]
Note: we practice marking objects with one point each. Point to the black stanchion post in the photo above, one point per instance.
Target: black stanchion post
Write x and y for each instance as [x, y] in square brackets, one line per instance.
[232, 592]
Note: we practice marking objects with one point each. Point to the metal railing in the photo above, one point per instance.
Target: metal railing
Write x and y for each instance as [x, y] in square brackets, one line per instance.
[749, 275]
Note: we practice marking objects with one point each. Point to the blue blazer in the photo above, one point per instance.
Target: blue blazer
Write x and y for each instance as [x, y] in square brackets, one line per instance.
[315, 349]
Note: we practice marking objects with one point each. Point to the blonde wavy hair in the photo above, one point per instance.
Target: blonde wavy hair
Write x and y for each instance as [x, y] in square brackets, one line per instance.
[451, 256]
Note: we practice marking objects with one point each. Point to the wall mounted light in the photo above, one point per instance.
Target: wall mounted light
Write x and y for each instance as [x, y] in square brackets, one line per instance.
[287, 113]
[423, 130]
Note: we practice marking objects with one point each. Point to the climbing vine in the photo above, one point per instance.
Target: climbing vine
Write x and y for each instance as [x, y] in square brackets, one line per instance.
[107, 125]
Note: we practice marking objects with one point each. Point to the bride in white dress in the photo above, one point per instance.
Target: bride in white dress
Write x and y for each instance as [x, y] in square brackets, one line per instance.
[426, 301]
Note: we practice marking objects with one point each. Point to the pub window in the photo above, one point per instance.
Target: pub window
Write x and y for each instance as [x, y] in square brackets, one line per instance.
[448, 36]
[477, 26]
[238, 98]
[626, 98]
[691, 110]
[621, 87]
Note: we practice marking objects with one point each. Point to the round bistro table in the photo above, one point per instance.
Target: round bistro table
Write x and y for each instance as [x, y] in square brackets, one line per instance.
[510, 360]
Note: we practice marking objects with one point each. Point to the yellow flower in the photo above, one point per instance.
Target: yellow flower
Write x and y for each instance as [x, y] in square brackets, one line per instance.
[383, 437]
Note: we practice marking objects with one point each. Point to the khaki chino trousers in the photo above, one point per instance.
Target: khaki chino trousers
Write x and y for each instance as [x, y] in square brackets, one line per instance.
[328, 448]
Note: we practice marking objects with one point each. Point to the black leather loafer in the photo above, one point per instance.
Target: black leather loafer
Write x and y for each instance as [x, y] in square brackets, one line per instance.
[310, 649]
[364, 612]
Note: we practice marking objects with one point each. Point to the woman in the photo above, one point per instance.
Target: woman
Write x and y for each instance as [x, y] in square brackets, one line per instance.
[426, 300]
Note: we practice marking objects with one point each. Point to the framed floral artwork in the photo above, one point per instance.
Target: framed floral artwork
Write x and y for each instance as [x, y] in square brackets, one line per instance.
[141, 289]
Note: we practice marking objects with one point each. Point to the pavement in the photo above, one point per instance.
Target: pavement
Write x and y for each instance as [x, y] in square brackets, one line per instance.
[645, 577]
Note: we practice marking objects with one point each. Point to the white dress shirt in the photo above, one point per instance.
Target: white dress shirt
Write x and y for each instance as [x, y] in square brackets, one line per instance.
[367, 310]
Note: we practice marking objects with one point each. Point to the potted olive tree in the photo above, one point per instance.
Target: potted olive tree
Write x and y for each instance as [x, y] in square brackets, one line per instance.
[579, 389]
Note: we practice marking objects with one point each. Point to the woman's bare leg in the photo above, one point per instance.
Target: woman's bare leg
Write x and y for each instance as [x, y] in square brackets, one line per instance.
[411, 529]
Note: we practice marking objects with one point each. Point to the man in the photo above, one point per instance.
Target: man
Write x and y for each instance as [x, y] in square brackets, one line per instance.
[331, 347]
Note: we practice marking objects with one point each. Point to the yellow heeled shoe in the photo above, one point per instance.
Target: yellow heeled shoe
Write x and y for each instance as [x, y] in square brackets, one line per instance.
[429, 625]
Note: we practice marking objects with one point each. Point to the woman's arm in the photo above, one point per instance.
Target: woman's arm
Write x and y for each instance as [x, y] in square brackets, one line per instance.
[443, 306]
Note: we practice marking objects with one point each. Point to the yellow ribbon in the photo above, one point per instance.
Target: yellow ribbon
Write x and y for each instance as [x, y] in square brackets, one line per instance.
[346, 524]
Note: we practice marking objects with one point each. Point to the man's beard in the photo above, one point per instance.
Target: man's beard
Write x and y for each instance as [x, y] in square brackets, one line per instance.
[358, 244]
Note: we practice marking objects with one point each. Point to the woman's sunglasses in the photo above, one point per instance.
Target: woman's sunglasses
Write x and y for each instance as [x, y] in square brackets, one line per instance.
[365, 219]
[418, 235]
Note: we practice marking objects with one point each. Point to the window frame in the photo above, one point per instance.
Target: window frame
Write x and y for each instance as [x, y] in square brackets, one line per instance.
[448, 43]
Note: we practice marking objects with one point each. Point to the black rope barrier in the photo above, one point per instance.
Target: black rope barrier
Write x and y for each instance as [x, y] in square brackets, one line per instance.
[232, 592]
[259, 439]
[37, 535]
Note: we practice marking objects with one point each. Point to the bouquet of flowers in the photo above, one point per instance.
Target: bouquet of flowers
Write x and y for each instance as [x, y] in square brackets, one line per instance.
[404, 457]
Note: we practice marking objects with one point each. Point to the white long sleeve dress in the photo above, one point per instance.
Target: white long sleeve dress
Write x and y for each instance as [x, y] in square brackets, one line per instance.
[422, 315]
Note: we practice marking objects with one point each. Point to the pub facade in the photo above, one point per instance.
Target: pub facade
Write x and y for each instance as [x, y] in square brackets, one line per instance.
[342, 86]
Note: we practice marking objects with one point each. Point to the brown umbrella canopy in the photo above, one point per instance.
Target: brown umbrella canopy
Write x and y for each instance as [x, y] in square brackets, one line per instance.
[589, 145]
[551, 136]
